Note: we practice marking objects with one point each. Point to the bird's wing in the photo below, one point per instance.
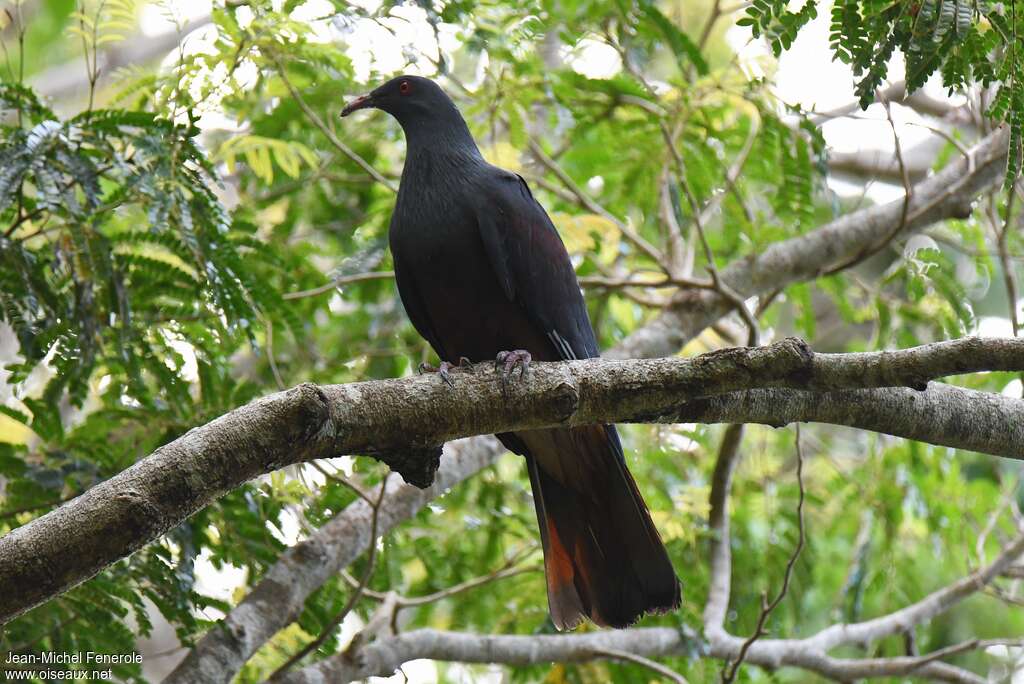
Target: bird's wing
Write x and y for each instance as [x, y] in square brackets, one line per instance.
[415, 307]
[533, 266]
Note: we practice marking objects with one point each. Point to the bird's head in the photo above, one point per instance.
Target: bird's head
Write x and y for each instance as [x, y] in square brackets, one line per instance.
[407, 98]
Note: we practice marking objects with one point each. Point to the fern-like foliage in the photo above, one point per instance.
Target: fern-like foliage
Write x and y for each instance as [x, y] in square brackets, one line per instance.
[101, 22]
[113, 239]
[965, 41]
[779, 26]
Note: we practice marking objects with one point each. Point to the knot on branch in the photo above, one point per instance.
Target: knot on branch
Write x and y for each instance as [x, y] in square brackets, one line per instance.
[799, 358]
[797, 348]
[790, 357]
[416, 464]
[567, 400]
[962, 209]
[314, 411]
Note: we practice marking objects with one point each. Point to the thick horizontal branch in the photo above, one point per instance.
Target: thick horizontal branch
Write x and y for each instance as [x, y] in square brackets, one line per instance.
[404, 422]
[947, 194]
[944, 415]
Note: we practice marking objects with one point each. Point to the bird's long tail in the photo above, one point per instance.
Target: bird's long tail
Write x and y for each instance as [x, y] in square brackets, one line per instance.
[602, 554]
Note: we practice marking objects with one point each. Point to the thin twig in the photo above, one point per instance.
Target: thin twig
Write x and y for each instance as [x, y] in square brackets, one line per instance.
[328, 629]
[1009, 276]
[908, 197]
[269, 324]
[729, 672]
[964, 152]
[993, 519]
[611, 283]
[732, 174]
[1002, 233]
[508, 569]
[944, 653]
[588, 203]
[1003, 595]
[339, 282]
[344, 482]
[328, 133]
[721, 286]
[651, 665]
[677, 243]
[709, 24]
[21, 218]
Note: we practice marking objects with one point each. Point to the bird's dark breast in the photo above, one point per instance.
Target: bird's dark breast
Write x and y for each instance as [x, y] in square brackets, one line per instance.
[454, 283]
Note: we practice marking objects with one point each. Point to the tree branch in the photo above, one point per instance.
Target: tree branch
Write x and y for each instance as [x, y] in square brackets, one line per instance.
[947, 194]
[719, 556]
[384, 656]
[942, 414]
[588, 203]
[353, 598]
[935, 603]
[403, 422]
[315, 119]
[919, 101]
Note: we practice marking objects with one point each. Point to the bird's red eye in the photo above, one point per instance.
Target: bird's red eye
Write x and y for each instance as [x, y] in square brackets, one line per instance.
[404, 87]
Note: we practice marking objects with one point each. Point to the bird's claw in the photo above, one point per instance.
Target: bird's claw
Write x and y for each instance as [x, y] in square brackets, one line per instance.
[444, 370]
[508, 361]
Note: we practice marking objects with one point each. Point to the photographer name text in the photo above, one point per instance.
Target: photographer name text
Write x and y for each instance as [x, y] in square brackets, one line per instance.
[78, 658]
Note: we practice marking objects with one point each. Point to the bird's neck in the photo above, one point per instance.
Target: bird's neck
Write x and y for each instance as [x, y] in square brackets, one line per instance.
[443, 142]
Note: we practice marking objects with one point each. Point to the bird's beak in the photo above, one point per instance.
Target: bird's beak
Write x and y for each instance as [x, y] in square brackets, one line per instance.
[361, 102]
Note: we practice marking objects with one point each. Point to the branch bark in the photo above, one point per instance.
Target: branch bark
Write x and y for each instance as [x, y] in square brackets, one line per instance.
[945, 415]
[404, 422]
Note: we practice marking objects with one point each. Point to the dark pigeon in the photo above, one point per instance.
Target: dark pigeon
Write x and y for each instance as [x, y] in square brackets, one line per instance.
[482, 272]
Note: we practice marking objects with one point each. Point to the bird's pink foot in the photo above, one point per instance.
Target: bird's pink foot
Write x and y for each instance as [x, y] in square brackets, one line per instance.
[508, 361]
